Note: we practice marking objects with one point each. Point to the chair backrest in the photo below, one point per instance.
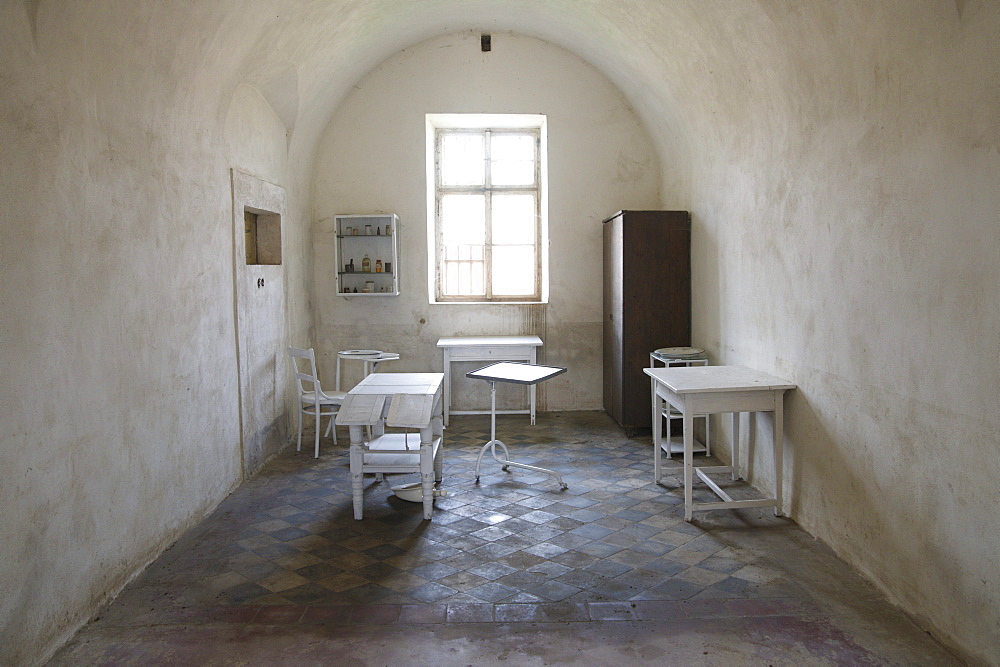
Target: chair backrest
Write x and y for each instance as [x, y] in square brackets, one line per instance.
[304, 366]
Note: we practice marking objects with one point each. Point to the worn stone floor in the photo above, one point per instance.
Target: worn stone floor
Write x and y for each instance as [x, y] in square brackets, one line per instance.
[512, 570]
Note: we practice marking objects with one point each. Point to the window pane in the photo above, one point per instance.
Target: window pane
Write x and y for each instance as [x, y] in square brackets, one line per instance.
[506, 146]
[450, 278]
[513, 270]
[463, 159]
[463, 219]
[513, 219]
[464, 278]
[512, 159]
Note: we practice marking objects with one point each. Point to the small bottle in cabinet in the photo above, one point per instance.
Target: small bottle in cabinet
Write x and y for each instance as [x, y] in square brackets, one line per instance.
[378, 253]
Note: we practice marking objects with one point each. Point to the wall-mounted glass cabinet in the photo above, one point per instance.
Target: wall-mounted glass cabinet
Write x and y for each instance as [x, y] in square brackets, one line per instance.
[367, 256]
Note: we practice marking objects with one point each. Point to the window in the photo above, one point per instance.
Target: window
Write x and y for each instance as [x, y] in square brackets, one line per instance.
[488, 211]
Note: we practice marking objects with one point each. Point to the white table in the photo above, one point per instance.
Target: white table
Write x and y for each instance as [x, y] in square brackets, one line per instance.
[371, 359]
[712, 389]
[406, 400]
[517, 373]
[487, 348]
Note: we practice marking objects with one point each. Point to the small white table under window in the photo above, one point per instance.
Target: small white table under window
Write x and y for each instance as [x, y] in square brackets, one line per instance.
[371, 359]
[698, 390]
[488, 348]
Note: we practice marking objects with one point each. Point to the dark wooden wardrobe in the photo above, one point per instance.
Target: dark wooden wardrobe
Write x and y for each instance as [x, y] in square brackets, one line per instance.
[647, 305]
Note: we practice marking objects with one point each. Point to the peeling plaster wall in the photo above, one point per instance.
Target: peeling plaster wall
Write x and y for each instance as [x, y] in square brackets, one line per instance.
[372, 159]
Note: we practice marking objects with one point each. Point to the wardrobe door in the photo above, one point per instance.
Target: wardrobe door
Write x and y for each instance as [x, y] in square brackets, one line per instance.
[613, 317]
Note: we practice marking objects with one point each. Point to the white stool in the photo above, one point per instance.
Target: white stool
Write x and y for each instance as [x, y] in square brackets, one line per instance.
[677, 357]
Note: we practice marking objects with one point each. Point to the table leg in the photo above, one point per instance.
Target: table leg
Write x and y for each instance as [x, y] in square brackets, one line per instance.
[779, 445]
[357, 476]
[427, 470]
[688, 422]
[447, 383]
[533, 389]
[657, 431]
[736, 446]
[708, 436]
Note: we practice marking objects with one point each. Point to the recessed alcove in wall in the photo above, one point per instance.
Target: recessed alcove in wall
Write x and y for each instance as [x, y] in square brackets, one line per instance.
[262, 237]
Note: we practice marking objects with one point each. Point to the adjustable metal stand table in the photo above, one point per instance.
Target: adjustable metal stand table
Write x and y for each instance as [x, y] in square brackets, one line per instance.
[517, 373]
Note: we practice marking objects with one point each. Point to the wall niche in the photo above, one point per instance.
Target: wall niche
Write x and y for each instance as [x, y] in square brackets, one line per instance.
[262, 236]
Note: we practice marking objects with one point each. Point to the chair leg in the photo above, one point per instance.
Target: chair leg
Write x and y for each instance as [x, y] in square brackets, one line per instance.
[331, 428]
[298, 447]
[316, 455]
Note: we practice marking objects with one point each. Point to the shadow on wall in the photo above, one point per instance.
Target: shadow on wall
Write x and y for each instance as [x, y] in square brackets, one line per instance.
[815, 454]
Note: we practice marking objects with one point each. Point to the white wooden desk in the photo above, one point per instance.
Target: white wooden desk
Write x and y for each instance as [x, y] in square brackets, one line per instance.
[488, 348]
[407, 400]
[710, 389]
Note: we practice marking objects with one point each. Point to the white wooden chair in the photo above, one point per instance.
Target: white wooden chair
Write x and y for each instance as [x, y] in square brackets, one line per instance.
[313, 401]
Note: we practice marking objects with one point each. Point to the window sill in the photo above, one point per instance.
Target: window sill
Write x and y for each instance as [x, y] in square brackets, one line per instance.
[487, 303]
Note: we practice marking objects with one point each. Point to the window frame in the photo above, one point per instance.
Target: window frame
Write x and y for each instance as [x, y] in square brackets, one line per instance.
[485, 126]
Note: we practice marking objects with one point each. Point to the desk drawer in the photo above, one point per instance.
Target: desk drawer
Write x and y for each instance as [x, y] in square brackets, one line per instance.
[497, 353]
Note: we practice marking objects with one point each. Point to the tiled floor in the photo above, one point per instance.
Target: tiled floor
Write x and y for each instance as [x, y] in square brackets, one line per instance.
[511, 569]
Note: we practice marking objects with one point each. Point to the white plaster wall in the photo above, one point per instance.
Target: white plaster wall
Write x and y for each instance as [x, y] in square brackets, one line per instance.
[372, 159]
[120, 422]
[257, 140]
[847, 237]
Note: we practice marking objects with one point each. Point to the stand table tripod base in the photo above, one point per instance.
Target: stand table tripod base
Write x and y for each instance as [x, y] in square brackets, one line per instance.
[506, 462]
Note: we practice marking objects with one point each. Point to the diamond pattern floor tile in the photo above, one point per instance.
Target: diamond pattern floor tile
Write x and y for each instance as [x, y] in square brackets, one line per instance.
[284, 551]
[290, 536]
